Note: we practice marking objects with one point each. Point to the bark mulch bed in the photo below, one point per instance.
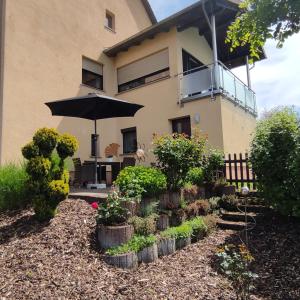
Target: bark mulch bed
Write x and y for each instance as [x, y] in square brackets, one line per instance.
[59, 260]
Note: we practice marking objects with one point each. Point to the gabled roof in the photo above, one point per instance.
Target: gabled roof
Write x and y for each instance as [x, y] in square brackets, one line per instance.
[194, 16]
[149, 11]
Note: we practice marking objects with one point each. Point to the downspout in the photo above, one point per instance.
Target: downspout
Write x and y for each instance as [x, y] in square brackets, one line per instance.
[212, 26]
[248, 72]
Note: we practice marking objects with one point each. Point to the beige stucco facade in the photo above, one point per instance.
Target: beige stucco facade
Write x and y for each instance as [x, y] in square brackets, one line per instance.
[44, 45]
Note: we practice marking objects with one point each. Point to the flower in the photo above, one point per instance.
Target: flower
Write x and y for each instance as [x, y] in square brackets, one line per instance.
[94, 205]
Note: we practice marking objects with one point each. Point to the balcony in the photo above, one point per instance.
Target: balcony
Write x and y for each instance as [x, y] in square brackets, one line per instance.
[209, 80]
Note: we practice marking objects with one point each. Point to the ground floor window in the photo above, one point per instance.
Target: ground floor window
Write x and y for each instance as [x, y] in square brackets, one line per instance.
[182, 125]
[129, 140]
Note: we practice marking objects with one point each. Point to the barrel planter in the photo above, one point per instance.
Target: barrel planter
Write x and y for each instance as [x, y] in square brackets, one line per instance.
[169, 200]
[183, 242]
[124, 261]
[111, 236]
[166, 246]
[163, 222]
[132, 206]
[148, 254]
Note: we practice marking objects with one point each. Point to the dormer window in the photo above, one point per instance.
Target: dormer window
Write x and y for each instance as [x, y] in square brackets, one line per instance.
[109, 20]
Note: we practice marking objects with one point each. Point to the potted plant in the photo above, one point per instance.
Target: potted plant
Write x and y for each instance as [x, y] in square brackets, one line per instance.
[113, 229]
[146, 248]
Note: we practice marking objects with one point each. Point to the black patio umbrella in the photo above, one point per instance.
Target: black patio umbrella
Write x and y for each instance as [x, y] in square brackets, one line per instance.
[93, 107]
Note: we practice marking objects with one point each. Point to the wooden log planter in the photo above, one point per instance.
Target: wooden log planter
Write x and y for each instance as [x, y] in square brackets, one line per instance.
[169, 200]
[124, 261]
[148, 254]
[111, 236]
[166, 246]
[183, 242]
[163, 222]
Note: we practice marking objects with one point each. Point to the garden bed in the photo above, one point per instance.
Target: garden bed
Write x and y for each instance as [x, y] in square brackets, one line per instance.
[60, 259]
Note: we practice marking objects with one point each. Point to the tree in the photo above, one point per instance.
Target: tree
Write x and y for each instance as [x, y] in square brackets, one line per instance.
[260, 20]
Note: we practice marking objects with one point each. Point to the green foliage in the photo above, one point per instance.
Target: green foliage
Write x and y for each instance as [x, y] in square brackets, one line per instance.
[183, 231]
[234, 263]
[229, 202]
[140, 180]
[195, 176]
[275, 160]
[48, 181]
[198, 226]
[212, 163]
[46, 139]
[113, 210]
[260, 20]
[149, 209]
[176, 155]
[211, 222]
[136, 244]
[214, 203]
[13, 187]
[30, 150]
[67, 145]
[144, 226]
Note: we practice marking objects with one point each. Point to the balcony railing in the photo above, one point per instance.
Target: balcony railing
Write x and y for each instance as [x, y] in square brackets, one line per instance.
[210, 79]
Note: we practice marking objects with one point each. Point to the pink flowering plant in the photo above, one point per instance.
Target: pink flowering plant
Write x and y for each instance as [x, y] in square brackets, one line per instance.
[113, 211]
[95, 205]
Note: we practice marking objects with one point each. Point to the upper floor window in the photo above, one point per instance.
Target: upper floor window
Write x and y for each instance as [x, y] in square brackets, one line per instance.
[92, 73]
[190, 63]
[145, 70]
[109, 20]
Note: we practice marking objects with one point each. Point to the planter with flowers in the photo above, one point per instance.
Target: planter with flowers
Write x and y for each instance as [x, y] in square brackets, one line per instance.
[113, 229]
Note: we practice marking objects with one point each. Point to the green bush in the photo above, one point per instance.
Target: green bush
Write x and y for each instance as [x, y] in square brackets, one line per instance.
[195, 176]
[198, 226]
[176, 155]
[140, 180]
[179, 232]
[213, 163]
[113, 210]
[144, 226]
[211, 222]
[136, 244]
[13, 187]
[48, 180]
[275, 159]
[214, 203]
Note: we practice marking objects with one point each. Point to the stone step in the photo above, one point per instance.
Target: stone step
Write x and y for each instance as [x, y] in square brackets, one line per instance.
[254, 208]
[238, 226]
[238, 216]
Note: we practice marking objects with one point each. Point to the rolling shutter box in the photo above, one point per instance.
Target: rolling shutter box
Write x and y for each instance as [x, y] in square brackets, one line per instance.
[143, 67]
[92, 66]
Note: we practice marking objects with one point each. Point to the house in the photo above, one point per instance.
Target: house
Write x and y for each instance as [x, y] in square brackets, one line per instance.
[178, 68]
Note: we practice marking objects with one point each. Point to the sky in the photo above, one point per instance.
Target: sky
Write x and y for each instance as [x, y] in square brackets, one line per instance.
[276, 80]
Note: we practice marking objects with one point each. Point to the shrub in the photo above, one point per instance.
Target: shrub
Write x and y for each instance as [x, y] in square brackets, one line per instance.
[113, 211]
[176, 154]
[13, 187]
[144, 226]
[195, 176]
[47, 178]
[211, 222]
[149, 209]
[189, 192]
[229, 202]
[213, 163]
[198, 226]
[178, 216]
[275, 160]
[182, 231]
[203, 207]
[214, 203]
[136, 244]
[140, 180]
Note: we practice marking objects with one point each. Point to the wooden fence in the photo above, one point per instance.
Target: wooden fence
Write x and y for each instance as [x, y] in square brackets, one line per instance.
[238, 171]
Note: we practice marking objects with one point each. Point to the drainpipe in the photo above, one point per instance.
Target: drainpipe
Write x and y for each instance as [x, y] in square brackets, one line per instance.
[248, 72]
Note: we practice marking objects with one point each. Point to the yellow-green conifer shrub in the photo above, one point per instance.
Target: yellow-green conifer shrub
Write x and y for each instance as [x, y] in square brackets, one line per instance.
[48, 183]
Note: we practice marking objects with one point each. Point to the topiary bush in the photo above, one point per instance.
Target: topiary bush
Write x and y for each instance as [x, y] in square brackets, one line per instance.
[275, 159]
[141, 181]
[48, 181]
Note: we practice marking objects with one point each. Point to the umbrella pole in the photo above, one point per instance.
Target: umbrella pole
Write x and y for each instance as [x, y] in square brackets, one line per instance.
[96, 150]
